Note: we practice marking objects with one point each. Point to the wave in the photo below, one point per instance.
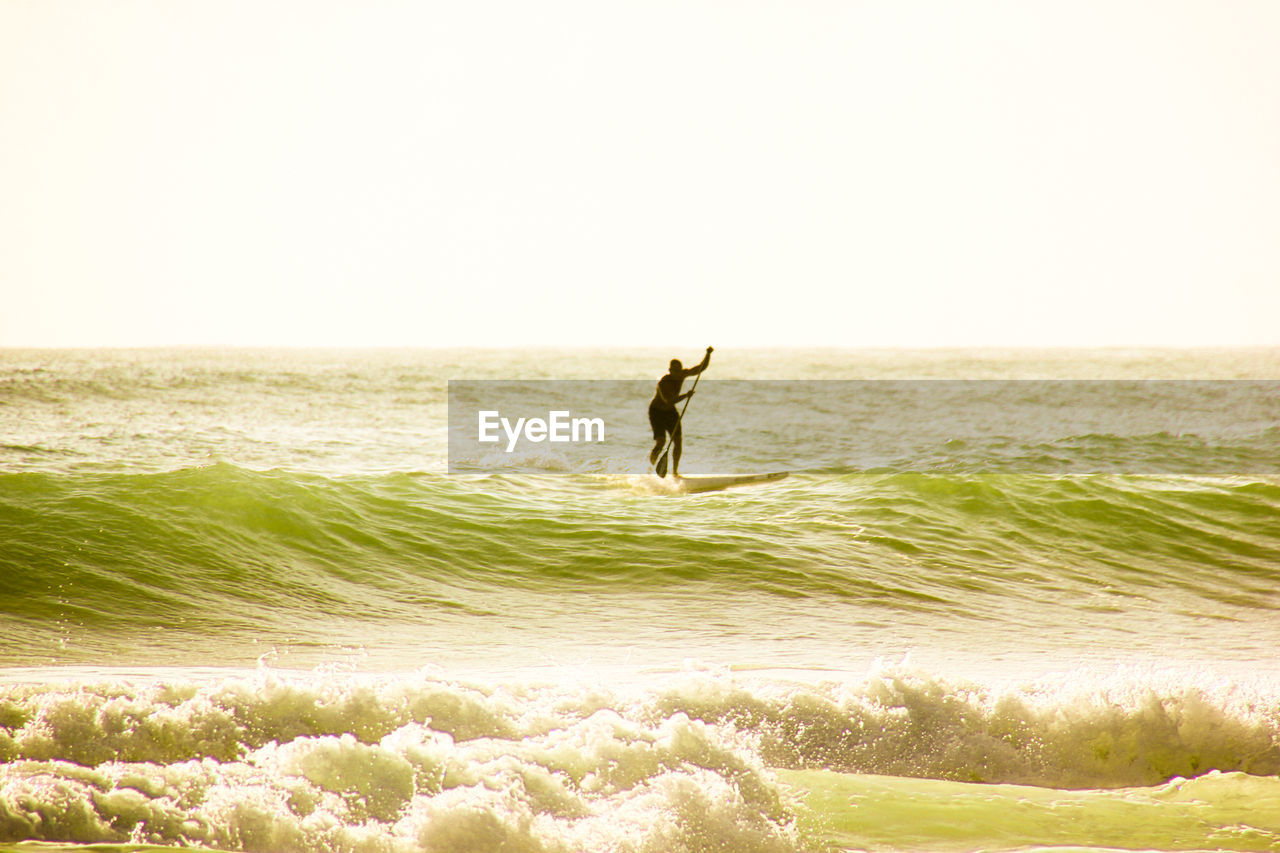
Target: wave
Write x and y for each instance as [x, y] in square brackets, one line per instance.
[271, 760]
[1129, 727]
[222, 547]
[1242, 451]
[185, 376]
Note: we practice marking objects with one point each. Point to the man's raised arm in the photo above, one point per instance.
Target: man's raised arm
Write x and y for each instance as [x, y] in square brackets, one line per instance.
[706, 359]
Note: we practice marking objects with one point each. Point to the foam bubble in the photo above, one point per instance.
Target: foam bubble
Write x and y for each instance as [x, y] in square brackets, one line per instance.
[333, 762]
[1084, 729]
[338, 761]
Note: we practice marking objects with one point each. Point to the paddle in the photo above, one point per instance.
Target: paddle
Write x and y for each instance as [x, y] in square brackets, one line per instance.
[661, 466]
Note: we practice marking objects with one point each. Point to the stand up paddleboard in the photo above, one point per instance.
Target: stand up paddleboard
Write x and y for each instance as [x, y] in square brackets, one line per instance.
[712, 483]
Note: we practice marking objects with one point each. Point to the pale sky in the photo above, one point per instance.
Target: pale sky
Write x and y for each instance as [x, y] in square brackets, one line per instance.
[639, 172]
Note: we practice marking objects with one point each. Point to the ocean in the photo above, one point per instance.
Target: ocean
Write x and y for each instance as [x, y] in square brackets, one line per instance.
[264, 600]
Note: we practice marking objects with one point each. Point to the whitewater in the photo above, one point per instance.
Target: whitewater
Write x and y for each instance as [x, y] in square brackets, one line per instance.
[1006, 600]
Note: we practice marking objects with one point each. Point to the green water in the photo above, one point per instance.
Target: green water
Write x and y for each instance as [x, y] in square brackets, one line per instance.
[1215, 812]
[244, 605]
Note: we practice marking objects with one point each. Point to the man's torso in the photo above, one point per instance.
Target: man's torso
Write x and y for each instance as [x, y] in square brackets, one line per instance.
[668, 386]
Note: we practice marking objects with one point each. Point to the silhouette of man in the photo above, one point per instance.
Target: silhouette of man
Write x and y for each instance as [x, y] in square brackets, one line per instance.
[663, 416]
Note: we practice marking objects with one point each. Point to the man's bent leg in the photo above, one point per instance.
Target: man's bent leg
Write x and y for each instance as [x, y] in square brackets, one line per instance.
[657, 448]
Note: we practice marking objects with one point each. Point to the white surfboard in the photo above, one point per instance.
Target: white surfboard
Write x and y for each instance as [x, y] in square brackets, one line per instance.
[715, 482]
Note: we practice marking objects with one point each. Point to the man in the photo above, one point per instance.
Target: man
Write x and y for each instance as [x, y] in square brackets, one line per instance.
[663, 416]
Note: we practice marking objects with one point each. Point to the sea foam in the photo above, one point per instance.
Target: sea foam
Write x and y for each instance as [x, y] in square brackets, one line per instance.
[325, 762]
[274, 760]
